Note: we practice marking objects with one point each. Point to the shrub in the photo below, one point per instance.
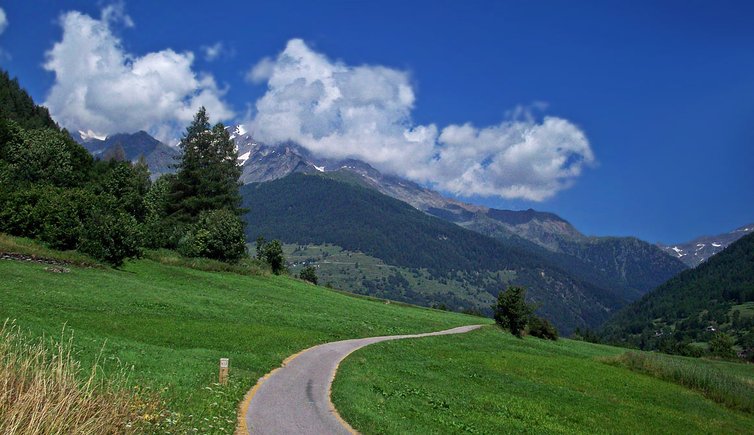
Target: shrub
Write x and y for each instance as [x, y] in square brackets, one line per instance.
[217, 234]
[111, 235]
[721, 346]
[309, 274]
[273, 255]
[542, 328]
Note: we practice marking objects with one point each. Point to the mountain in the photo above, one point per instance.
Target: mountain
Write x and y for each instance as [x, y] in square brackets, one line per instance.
[697, 251]
[716, 296]
[630, 266]
[123, 146]
[316, 209]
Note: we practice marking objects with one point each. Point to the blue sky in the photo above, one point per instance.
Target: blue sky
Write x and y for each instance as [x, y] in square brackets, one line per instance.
[662, 91]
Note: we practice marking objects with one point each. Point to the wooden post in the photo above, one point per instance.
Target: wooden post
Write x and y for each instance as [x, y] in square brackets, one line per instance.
[223, 371]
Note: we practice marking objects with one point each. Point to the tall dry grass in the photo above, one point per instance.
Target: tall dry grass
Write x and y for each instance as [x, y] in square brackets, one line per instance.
[731, 391]
[43, 390]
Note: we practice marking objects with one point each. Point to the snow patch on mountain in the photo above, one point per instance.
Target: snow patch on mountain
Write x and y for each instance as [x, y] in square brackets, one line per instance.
[697, 251]
[89, 135]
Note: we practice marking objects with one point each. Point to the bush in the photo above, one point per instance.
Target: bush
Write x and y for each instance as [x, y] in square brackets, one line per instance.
[309, 274]
[217, 234]
[272, 254]
[111, 235]
[721, 346]
[542, 328]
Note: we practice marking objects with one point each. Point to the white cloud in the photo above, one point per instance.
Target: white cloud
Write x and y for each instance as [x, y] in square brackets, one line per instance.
[261, 72]
[216, 50]
[3, 20]
[100, 87]
[336, 110]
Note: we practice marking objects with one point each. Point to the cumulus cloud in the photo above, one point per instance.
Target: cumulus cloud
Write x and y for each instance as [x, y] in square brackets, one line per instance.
[101, 87]
[3, 21]
[338, 111]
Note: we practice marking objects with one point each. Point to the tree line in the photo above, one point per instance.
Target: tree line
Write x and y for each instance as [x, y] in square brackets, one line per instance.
[54, 191]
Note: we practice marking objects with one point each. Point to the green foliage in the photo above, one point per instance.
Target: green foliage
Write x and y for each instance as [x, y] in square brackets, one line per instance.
[160, 230]
[693, 306]
[128, 184]
[260, 242]
[217, 234]
[511, 310]
[207, 176]
[542, 328]
[51, 214]
[272, 254]
[43, 156]
[309, 273]
[18, 106]
[111, 235]
[721, 345]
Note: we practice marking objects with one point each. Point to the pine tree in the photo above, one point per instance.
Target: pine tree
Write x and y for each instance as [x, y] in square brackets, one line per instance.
[511, 311]
[207, 175]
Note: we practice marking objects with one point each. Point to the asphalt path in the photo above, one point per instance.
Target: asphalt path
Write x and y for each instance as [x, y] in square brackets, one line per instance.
[295, 398]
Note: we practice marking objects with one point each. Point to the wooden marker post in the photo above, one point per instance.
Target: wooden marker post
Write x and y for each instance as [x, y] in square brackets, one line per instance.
[223, 371]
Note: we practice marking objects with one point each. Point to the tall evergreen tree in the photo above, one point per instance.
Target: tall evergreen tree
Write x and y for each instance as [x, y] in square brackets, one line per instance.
[207, 175]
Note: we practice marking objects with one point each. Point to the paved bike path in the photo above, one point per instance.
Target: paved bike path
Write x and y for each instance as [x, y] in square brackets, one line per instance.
[295, 398]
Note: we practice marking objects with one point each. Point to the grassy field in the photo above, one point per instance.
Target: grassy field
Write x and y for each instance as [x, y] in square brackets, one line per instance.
[354, 270]
[169, 325]
[490, 382]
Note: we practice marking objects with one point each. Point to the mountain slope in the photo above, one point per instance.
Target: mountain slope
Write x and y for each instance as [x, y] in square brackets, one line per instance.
[694, 305]
[159, 157]
[697, 251]
[17, 105]
[309, 209]
[628, 265]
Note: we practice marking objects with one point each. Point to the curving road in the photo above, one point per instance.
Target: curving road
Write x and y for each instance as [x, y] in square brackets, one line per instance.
[295, 398]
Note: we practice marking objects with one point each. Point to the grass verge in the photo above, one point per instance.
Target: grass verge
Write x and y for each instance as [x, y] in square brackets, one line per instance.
[732, 391]
[44, 391]
[487, 381]
[31, 248]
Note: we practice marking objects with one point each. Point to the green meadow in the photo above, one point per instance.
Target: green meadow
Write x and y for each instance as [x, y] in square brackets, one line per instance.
[167, 326]
[490, 382]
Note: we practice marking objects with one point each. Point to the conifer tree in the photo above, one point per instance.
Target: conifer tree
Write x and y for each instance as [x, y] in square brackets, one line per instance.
[208, 172]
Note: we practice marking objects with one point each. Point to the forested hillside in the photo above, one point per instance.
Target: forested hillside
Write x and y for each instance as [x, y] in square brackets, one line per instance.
[54, 191]
[16, 105]
[312, 209]
[695, 307]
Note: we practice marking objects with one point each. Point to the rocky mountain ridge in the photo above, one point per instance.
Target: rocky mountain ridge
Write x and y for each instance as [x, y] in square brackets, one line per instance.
[697, 251]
